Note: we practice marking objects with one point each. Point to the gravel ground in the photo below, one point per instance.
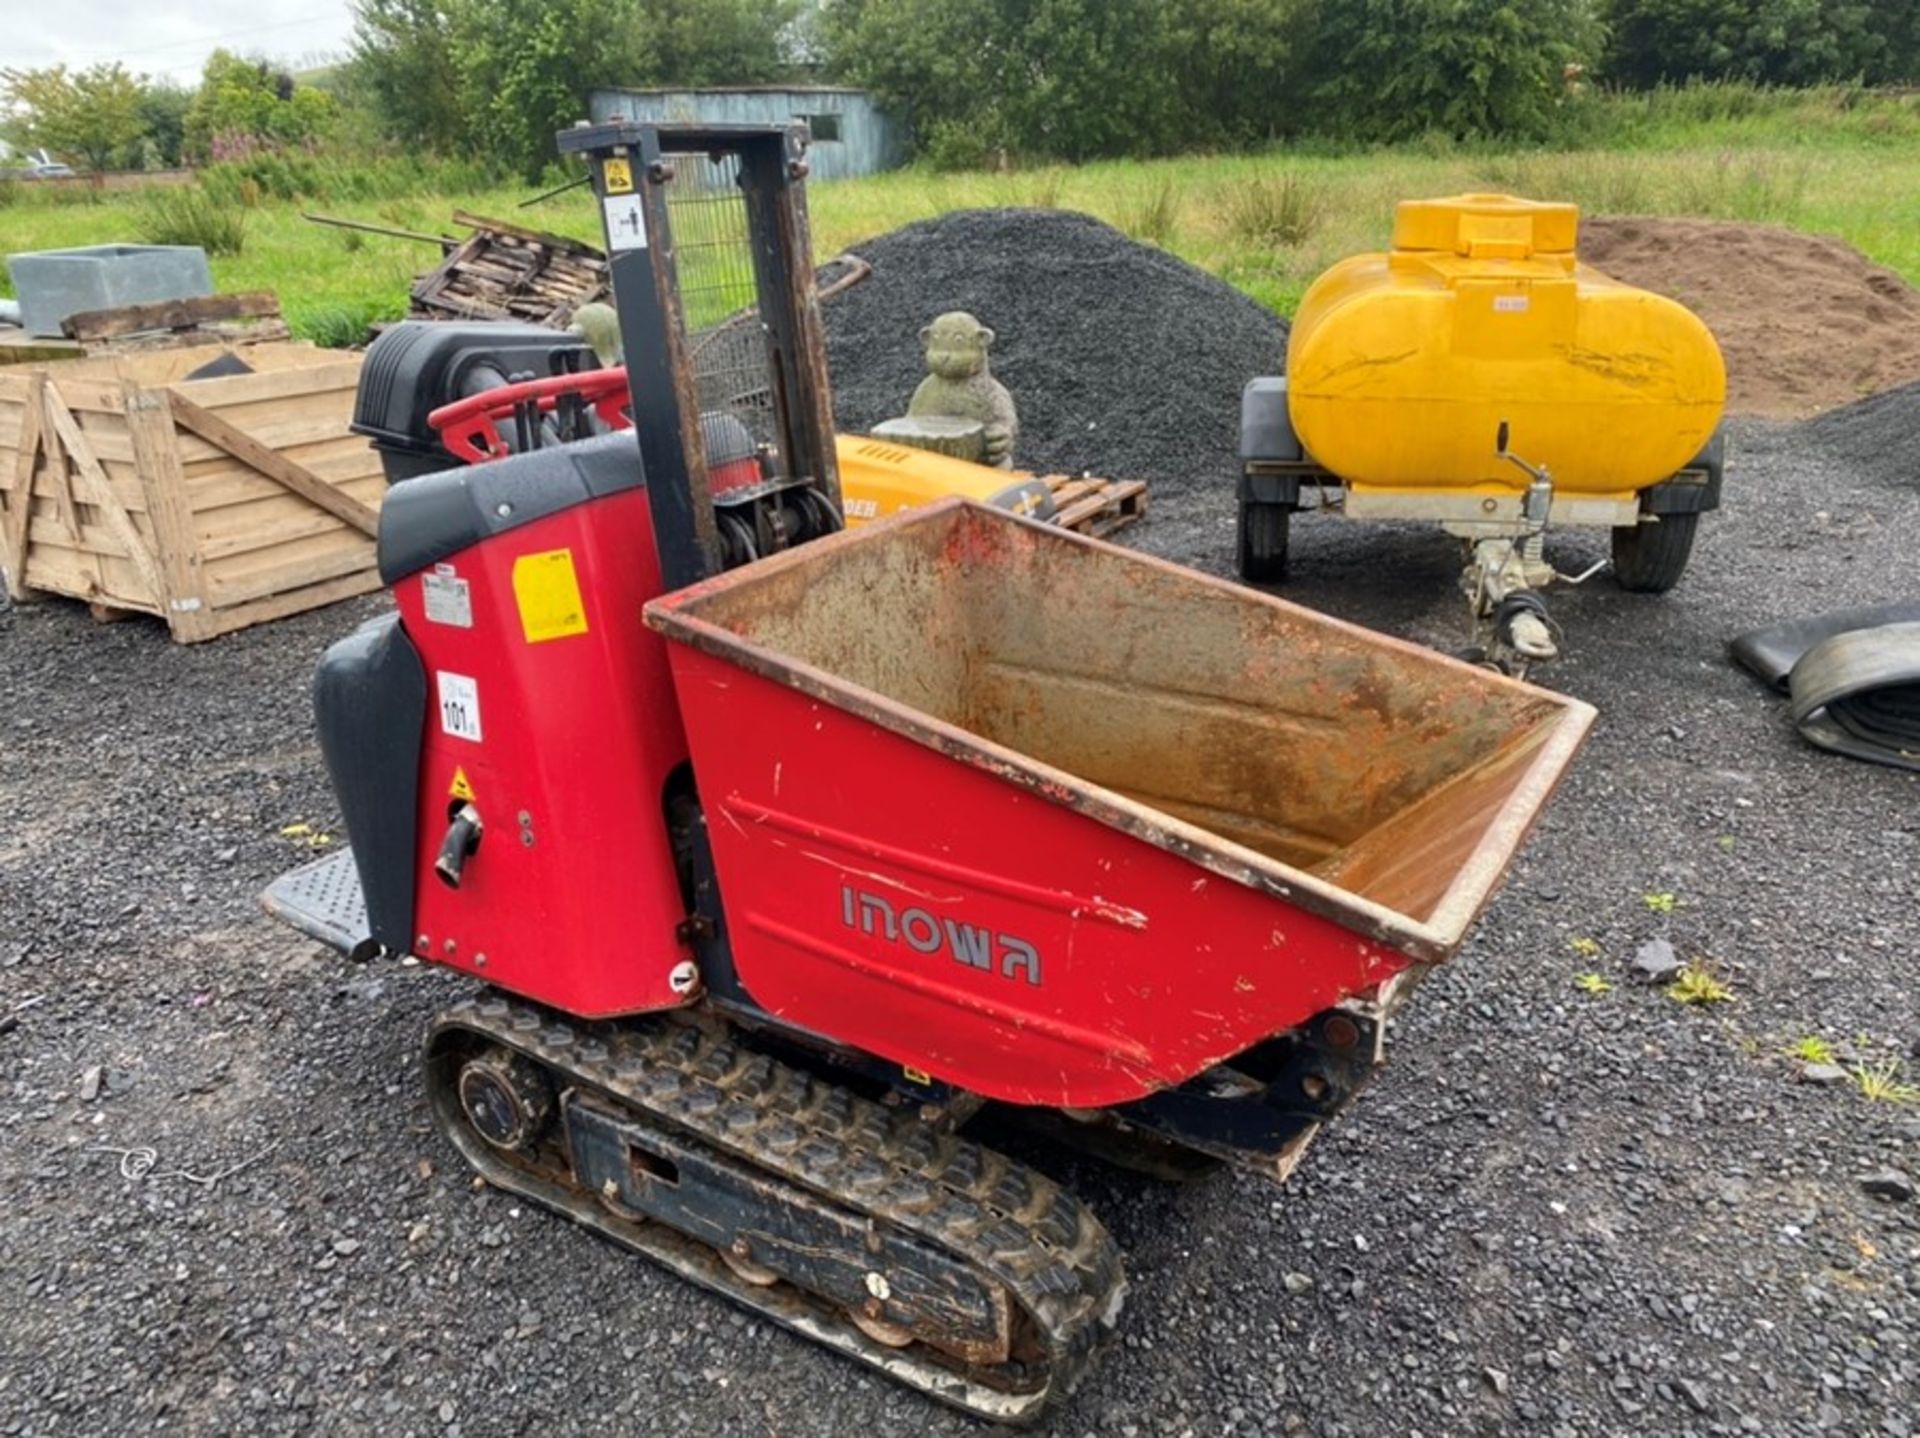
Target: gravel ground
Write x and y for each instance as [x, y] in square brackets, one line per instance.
[1556, 1212]
[1878, 436]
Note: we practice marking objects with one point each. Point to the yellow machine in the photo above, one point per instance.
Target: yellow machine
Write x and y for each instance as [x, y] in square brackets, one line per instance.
[878, 479]
[1480, 376]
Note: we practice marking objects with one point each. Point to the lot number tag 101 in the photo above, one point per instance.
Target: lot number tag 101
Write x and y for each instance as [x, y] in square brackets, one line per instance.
[459, 705]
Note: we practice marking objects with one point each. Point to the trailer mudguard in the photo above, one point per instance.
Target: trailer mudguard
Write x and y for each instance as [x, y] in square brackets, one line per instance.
[1266, 432]
[370, 705]
[1267, 441]
[1695, 489]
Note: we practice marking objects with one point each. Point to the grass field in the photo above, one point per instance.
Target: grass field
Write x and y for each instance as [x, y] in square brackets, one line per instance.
[1831, 162]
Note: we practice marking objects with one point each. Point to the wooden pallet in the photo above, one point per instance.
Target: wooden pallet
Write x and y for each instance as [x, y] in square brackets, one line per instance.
[505, 272]
[212, 503]
[1098, 507]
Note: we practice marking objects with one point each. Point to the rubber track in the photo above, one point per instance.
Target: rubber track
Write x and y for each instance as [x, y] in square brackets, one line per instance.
[1011, 1223]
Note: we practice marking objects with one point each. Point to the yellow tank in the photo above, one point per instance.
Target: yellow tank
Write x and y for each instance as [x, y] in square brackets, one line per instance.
[1402, 366]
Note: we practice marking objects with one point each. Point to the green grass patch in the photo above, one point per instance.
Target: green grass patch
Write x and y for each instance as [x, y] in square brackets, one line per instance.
[342, 326]
[1882, 1083]
[1811, 1049]
[1698, 985]
[1273, 211]
[189, 215]
[1830, 161]
[1152, 215]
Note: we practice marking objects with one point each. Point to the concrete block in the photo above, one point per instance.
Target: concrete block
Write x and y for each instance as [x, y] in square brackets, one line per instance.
[53, 284]
[959, 438]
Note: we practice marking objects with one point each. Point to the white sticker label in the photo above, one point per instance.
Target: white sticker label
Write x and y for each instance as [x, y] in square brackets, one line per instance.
[459, 705]
[626, 222]
[1510, 304]
[449, 598]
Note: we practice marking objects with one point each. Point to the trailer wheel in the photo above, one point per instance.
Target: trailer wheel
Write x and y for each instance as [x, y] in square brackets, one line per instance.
[1263, 541]
[1650, 558]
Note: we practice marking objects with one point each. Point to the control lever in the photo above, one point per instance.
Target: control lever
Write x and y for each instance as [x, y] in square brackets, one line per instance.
[1539, 501]
[462, 841]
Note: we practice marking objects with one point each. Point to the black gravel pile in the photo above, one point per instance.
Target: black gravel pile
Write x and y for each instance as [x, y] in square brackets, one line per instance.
[1123, 360]
[1878, 437]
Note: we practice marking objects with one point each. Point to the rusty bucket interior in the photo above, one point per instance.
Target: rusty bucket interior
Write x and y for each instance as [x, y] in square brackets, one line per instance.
[1261, 738]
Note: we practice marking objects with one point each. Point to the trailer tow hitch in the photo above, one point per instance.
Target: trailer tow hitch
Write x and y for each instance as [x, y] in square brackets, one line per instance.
[1505, 572]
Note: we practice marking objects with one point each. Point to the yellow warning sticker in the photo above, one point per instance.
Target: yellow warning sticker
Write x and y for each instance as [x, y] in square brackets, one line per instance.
[913, 1075]
[548, 593]
[619, 175]
[460, 788]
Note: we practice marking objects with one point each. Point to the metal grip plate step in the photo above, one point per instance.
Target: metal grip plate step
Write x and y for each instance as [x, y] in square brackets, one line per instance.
[935, 1230]
[323, 901]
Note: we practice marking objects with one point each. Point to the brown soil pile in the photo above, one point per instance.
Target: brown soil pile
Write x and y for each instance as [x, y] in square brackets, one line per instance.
[1805, 323]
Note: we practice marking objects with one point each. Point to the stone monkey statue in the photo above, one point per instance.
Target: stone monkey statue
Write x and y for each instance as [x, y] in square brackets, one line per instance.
[959, 384]
[599, 326]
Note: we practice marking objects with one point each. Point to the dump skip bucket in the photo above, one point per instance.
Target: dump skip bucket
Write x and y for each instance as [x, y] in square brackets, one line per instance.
[1067, 824]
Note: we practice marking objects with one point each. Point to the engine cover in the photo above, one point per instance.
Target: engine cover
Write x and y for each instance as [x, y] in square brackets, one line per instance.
[550, 712]
[418, 365]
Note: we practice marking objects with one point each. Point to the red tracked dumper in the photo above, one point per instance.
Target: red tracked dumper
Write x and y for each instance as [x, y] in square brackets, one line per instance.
[779, 850]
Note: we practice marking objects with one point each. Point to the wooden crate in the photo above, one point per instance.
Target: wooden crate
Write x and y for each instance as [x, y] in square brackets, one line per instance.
[213, 503]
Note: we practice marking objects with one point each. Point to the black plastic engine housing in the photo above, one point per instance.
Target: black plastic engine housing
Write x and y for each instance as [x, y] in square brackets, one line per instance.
[417, 366]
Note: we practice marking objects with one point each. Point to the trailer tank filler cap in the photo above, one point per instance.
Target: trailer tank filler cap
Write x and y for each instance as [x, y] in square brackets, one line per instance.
[1487, 227]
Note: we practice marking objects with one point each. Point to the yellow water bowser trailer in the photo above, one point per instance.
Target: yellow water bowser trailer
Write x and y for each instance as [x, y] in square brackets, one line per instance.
[1478, 375]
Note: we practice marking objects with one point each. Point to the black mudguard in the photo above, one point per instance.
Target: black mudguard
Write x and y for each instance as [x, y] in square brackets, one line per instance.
[1695, 489]
[370, 704]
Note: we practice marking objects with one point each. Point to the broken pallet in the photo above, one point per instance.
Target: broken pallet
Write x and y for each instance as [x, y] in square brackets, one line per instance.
[506, 272]
[1097, 507]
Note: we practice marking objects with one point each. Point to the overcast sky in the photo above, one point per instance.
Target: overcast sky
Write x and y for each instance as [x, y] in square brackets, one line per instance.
[170, 37]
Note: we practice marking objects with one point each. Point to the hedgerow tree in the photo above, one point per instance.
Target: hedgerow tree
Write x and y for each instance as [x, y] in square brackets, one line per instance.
[498, 78]
[402, 67]
[526, 66]
[1773, 42]
[1239, 67]
[716, 42]
[162, 109]
[912, 55]
[1396, 69]
[1068, 79]
[253, 102]
[87, 115]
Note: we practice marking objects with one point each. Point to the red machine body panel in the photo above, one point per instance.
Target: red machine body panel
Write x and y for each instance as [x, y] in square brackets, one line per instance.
[551, 709]
[952, 922]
